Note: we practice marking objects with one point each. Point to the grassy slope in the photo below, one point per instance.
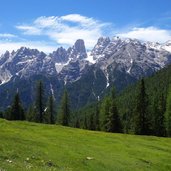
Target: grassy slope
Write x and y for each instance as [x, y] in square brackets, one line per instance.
[30, 146]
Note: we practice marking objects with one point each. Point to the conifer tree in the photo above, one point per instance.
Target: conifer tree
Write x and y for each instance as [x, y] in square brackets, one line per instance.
[92, 125]
[77, 123]
[17, 111]
[50, 110]
[113, 120]
[30, 116]
[104, 113]
[85, 126]
[39, 102]
[65, 109]
[141, 118]
[97, 122]
[168, 114]
[159, 110]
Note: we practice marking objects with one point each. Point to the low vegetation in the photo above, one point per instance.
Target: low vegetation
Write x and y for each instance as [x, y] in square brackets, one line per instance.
[34, 146]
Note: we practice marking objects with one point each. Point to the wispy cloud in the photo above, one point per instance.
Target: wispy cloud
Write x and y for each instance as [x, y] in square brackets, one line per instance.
[7, 35]
[152, 34]
[65, 30]
[58, 31]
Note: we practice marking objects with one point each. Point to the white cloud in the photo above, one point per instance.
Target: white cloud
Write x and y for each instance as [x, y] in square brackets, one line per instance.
[152, 34]
[29, 30]
[7, 35]
[65, 30]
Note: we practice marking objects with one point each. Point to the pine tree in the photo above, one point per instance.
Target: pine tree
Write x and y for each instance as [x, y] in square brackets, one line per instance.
[77, 123]
[159, 109]
[50, 110]
[65, 109]
[168, 114]
[104, 113]
[30, 116]
[141, 118]
[97, 122]
[92, 125]
[39, 102]
[113, 120]
[85, 126]
[17, 111]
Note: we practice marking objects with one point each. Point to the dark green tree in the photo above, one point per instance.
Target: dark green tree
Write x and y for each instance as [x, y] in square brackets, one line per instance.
[97, 122]
[30, 115]
[168, 114]
[65, 109]
[113, 120]
[50, 110]
[141, 115]
[17, 111]
[1, 114]
[92, 125]
[39, 102]
[104, 113]
[85, 125]
[77, 123]
[158, 114]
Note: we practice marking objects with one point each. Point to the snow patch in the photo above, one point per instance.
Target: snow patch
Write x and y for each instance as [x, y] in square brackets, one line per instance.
[107, 80]
[5, 76]
[90, 58]
[59, 66]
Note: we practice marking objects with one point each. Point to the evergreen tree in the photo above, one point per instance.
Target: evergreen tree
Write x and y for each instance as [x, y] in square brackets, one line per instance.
[92, 125]
[141, 118]
[159, 110]
[168, 114]
[113, 120]
[17, 111]
[39, 102]
[97, 123]
[85, 126]
[65, 109]
[30, 116]
[1, 115]
[104, 113]
[77, 123]
[50, 110]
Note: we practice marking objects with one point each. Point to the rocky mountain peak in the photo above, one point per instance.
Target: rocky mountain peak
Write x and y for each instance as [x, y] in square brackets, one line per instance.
[59, 56]
[78, 51]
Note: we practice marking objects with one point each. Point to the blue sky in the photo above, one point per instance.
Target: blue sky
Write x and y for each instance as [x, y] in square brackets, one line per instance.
[48, 24]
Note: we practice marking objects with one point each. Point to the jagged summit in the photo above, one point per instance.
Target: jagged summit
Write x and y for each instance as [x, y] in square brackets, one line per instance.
[116, 60]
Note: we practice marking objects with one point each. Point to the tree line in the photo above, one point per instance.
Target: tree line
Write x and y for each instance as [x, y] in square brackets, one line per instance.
[147, 116]
[41, 111]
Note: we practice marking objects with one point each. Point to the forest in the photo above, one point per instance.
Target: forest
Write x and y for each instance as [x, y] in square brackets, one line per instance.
[143, 108]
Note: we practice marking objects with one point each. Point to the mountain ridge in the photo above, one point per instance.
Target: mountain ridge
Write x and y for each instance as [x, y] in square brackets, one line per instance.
[118, 61]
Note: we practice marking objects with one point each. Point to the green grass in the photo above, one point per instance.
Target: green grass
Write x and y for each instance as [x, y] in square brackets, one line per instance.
[31, 146]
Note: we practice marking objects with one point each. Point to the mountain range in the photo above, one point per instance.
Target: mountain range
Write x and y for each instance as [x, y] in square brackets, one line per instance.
[86, 74]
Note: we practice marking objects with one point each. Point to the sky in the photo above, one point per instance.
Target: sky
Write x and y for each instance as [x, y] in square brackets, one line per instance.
[49, 24]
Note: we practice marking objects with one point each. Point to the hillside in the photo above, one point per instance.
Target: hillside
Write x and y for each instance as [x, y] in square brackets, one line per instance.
[31, 146]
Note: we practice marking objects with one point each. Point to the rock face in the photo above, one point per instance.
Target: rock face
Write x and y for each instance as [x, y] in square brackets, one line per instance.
[115, 61]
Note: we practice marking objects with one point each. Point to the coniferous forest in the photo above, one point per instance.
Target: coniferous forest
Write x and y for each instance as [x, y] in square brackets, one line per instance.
[143, 108]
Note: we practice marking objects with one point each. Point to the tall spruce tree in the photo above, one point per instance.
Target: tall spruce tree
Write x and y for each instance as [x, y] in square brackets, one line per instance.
[159, 110]
[168, 114]
[50, 110]
[17, 111]
[39, 102]
[65, 109]
[113, 120]
[104, 113]
[97, 122]
[141, 115]
[85, 125]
